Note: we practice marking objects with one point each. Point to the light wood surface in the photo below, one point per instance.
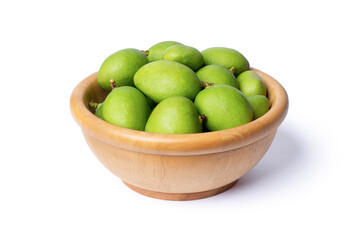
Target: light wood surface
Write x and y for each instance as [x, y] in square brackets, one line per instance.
[181, 196]
[178, 167]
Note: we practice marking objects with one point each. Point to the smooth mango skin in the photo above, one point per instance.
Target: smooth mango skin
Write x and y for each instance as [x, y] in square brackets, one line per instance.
[224, 107]
[126, 107]
[226, 57]
[175, 115]
[218, 75]
[121, 66]
[156, 52]
[186, 55]
[250, 83]
[99, 111]
[163, 79]
[260, 105]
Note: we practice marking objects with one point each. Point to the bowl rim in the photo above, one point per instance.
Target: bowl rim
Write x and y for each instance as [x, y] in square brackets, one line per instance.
[180, 144]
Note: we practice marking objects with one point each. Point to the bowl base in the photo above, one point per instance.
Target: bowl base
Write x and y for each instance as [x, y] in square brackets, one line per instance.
[180, 196]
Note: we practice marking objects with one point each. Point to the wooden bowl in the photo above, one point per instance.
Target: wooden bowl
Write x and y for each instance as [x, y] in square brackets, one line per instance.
[172, 166]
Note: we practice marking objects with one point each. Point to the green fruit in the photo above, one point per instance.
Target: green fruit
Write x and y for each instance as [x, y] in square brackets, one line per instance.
[217, 75]
[156, 52]
[99, 111]
[226, 57]
[177, 115]
[121, 66]
[260, 105]
[126, 107]
[186, 55]
[224, 107]
[163, 79]
[250, 83]
[97, 108]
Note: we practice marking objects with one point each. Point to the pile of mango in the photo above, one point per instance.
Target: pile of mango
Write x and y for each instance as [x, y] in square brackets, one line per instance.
[175, 89]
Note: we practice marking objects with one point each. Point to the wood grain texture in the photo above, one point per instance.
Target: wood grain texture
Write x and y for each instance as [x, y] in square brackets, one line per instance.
[170, 166]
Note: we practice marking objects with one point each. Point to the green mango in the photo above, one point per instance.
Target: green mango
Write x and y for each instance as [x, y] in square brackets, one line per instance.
[126, 107]
[226, 57]
[217, 75]
[97, 108]
[121, 66]
[156, 52]
[186, 55]
[260, 105]
[163, 79]
[99, 111]
[250, 83]
[224, 107]
[177, 115]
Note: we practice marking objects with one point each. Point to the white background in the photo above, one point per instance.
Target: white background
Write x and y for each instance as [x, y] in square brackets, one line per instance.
[53, 187]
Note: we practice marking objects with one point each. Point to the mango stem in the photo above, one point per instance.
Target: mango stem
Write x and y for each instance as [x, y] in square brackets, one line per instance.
[233, 69]
[206, 84]
[94, 105]
[146, 52]
[202, 118]
[113, 84]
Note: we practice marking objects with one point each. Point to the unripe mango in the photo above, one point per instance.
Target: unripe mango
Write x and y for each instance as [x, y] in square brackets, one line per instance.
[259, 104]
[163, 79]
[177, 115]
[121, 66]
[217, 75]
[224, 107]
[186, 55]
[226, 57]
[126, 107]
[250, 83]
[156, 52]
